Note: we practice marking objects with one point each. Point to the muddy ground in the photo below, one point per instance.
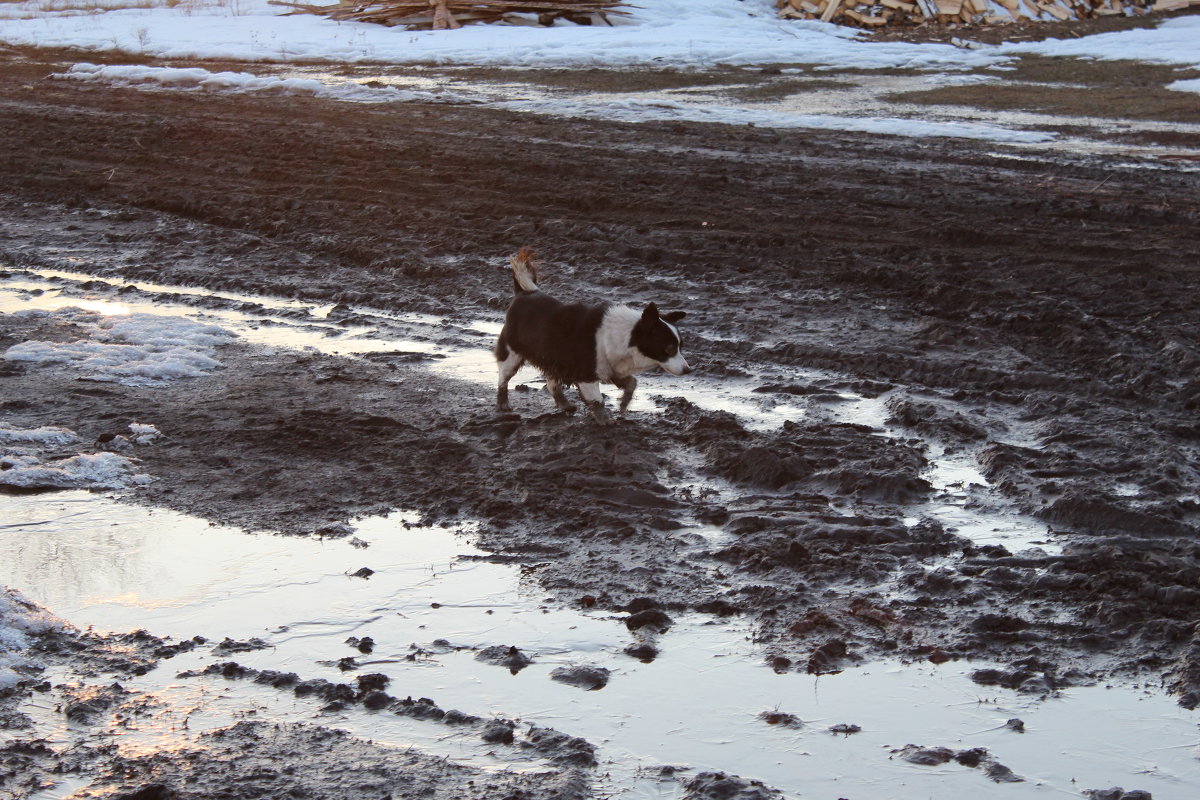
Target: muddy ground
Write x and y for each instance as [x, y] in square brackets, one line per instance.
[1039, 314]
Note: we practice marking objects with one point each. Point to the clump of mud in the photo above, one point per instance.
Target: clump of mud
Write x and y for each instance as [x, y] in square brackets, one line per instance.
[976, 757]
[723, 786]
[294, 760]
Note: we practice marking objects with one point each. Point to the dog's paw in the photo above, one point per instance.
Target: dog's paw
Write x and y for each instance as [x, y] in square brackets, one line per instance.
[599, 413]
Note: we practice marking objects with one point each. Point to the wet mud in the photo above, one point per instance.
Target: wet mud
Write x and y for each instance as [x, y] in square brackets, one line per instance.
[1034, 317]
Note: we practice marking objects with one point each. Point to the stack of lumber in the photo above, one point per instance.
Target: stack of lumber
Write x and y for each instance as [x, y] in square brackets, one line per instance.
[880, 13]
[447, 14]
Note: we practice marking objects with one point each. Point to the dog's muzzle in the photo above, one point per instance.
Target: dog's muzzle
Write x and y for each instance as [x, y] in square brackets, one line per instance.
[677, 365]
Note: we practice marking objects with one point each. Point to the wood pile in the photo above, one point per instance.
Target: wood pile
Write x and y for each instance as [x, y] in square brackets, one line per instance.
[449, 14]
[881, 13]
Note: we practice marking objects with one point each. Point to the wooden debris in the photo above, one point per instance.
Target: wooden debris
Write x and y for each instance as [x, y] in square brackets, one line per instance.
[441, 15]
[910, 13]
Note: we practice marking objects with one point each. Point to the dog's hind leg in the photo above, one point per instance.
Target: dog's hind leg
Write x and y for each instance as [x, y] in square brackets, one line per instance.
[508, 362]
[626, 385]
[590, 392]
[556, 391]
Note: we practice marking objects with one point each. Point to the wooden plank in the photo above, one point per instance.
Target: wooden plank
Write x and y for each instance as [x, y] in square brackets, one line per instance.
[908, 8]
[951, 8]
[864, 19]
[929, 9]
[830, 10]
[1058, 12]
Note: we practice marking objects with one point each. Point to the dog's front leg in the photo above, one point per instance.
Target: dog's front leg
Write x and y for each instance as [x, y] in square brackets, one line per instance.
[590, 392]
[626, 385]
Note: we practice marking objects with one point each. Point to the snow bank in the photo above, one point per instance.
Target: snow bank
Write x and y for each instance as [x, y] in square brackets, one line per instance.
[666, 33]
[661, 33]
[134, 349]
[20, 620]
[1173, 41]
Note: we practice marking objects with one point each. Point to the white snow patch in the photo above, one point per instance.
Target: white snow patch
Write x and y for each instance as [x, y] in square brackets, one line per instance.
[1192, 85]
[20, 619]
[1173, 41]
[134, 349]
[84, 471]
[28, 461]
[38, 436]
[144, 433]
[32, 459]
[637, 110]
[198, 79]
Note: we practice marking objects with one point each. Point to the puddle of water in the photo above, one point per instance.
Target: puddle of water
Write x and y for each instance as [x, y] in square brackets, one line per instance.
[275, 323]
[957, 483]
[113, 566]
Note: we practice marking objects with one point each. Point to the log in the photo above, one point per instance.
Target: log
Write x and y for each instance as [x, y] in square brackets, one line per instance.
[1056, 11]
[864, 19]
[450, 14]
[442, 18]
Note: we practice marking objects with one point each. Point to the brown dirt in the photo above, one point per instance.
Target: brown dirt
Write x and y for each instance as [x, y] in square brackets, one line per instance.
[1029, 30]
[1141, 103]
[991, 296]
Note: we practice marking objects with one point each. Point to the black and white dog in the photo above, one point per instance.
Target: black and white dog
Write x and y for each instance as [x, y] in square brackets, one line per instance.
[582, 345]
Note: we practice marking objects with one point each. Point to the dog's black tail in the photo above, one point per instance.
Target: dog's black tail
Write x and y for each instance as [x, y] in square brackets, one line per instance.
[524, 273]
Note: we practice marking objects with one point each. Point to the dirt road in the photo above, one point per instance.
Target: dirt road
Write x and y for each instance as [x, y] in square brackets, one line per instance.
[1036, 318]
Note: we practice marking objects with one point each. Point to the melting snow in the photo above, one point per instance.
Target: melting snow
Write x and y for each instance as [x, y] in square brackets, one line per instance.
[33, 459]
[20, 618]
[135, 349]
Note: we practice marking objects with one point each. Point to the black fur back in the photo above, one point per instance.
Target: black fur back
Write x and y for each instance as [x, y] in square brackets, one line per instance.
[557, 338]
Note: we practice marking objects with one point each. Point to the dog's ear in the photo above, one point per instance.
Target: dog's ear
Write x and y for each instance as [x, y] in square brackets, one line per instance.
[674, 316]
[650, 314]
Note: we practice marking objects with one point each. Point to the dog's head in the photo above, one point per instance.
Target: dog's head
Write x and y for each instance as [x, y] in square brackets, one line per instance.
[657, 338]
